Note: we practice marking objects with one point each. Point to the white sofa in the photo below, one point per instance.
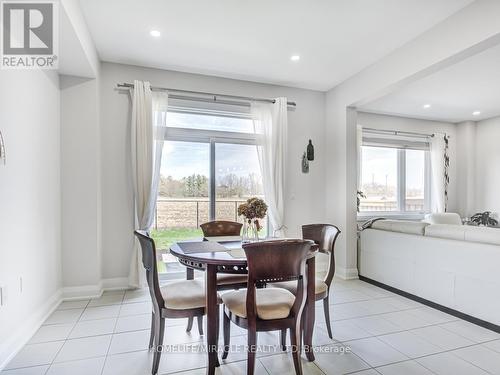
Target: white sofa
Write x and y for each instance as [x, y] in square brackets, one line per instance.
[454, 265]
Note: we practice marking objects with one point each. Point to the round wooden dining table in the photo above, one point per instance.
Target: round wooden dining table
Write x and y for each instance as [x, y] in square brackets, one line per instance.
[232, 260]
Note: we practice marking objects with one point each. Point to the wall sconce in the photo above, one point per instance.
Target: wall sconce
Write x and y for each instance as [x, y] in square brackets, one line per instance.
[2, 149]
[307, 157]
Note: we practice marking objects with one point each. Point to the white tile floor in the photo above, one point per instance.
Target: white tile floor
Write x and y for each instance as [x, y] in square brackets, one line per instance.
[376, 332]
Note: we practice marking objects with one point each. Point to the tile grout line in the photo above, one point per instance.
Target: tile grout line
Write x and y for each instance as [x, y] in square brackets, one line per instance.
[408, 358]
[398, 331]
[390, 312]
[336, 342]
[475, 326]
[450, 351]
[463, 359]
[112, 336]
[74, 325]
[66, 339]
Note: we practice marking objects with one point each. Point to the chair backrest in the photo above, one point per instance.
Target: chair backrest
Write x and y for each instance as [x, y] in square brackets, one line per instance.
[221, 228]
[325, 236]
[149, 262]
[275, 261]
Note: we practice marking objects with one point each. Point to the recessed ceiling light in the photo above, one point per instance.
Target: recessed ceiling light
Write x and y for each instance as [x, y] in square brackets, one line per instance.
[295, 58]
[476, 113]
[155, 33]
[426, 106]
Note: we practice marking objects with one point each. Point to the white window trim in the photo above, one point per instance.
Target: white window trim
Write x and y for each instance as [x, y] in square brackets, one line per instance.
[401, 191]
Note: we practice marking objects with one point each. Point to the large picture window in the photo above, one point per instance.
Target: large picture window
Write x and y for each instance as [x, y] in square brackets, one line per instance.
[395, 178]
[209, 167]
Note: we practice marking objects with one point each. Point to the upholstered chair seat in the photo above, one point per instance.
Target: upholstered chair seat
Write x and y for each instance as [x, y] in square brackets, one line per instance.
[230, 279]
[320, 286]
[272, 303]
[186, 294]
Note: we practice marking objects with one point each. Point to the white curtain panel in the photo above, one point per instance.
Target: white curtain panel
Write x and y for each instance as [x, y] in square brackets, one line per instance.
[271, 123]
[438, 155]
[149, 115]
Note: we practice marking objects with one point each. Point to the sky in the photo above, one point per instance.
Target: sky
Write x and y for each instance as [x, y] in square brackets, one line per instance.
[377, 162]
[181, 159]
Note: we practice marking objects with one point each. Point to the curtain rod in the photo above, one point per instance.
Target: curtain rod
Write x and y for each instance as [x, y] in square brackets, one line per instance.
[213, 95]
[397, 132]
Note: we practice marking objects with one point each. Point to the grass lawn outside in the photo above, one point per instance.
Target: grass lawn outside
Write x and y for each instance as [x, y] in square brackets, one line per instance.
[166, 237]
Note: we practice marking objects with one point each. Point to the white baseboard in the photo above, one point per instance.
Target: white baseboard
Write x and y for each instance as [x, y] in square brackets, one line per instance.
[10, 346]
[96, 290]
[70, 293]
[346, 273]
[116, 283]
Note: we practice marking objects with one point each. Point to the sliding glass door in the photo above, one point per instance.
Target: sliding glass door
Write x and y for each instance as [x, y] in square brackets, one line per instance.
[183, 201]
[237, 178]
[209, 166]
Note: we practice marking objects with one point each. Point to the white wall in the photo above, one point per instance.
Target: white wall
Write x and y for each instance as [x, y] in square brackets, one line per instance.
[470, 30]
[487, 165]
[81, 186]
[466, 160]
[30, 193]
[376, 121]
[303, 193]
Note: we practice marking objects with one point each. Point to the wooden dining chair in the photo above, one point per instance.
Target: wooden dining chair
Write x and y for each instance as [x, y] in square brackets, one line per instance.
[180, 299]
[269, 309]
[225, 281]
[325, 236]
[221, 228]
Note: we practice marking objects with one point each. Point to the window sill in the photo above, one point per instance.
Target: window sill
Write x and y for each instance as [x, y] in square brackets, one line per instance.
[390, 215]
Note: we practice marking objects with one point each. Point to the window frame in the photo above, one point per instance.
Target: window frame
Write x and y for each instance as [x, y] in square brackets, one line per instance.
[401, 213]
[211, 137]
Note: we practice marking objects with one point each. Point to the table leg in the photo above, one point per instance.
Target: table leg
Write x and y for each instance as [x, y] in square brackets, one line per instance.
[309, 311]
[190, 276]
[211, 310]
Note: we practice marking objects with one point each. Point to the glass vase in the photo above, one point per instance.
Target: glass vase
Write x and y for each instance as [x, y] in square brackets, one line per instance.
[250, 232]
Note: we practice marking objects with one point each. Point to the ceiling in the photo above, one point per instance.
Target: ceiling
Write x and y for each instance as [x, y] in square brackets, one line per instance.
[254, 40]
[453, 93]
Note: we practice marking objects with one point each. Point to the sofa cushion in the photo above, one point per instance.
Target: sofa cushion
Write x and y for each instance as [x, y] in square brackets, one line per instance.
[464, 233]
[482, 234]
[401, 226]
[443, 218]
[453, 232]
